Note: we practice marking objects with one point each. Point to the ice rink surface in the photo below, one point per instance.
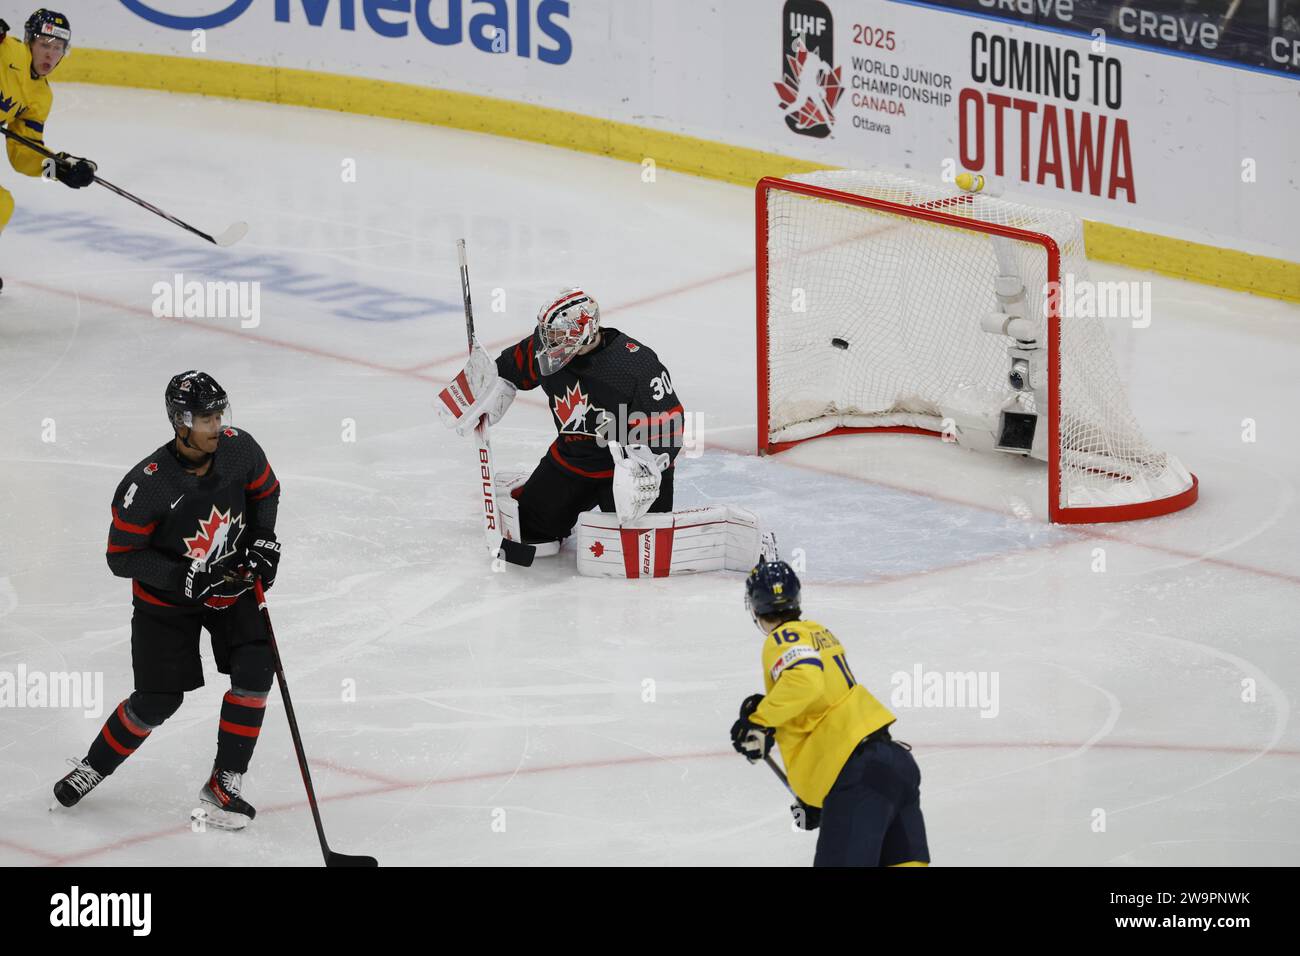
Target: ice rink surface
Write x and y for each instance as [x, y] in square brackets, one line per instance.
[458, 716]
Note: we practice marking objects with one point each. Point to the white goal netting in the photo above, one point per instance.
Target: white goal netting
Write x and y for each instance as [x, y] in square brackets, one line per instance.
[872, 319]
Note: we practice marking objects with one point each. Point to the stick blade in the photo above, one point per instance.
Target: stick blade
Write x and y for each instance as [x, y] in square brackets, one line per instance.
[343, 859]
[516, 553]
[232, 234]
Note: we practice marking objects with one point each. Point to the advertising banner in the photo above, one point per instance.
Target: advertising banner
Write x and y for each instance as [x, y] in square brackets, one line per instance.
[1175, 118]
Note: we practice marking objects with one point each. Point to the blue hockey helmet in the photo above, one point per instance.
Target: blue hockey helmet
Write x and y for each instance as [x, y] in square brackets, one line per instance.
[771, 589]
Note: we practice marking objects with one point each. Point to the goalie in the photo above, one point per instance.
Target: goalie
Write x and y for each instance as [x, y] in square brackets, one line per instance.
[619, 423]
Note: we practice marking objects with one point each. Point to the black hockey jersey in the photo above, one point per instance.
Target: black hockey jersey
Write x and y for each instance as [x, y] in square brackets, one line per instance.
[620, 391]
[164, 517]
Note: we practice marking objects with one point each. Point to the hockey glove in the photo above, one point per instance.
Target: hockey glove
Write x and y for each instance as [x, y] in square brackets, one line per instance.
[263, 558]
[477, 391]
[203, 583]
[637, 474]
[231, 584]
[198, 581]
[806, 817]
[750, 740]
[74, 171]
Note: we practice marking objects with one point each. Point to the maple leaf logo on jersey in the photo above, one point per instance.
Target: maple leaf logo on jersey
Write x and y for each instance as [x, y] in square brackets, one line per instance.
[632, 347]
[229, 432]
[577, 415]
[572, 408]
[597, 549]
[216, 537]
[150, 468]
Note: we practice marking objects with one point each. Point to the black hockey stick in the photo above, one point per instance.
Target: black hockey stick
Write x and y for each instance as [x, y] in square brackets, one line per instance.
[514, 552]
[232, 235]
[780, 774]
[332, 858]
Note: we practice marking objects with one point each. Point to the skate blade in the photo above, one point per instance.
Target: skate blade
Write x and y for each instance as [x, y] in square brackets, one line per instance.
[218, 819]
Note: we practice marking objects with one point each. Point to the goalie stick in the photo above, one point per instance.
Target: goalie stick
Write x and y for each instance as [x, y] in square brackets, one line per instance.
[232, 234]
[514, 552]
[332, 857]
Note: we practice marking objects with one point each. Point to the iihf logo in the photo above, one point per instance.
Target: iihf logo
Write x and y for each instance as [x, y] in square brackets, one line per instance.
[811, 82]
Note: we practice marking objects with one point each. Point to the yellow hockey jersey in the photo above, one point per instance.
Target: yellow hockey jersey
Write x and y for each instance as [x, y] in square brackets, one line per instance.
[24, 104]
[817, 707]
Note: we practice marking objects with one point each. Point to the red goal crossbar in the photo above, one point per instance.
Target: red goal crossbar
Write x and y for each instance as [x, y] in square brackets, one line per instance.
[933, 212]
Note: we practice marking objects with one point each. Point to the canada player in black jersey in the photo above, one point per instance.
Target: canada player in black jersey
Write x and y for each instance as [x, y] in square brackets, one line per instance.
[193, 526]
[618, 420]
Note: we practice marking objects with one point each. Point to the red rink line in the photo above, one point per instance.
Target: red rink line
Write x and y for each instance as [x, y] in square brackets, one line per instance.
[40, 854]
[605, 312]
[203, 326]
[397, 785]
[413, 373]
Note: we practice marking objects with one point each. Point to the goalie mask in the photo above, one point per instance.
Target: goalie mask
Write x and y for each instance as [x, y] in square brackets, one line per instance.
[565, 326]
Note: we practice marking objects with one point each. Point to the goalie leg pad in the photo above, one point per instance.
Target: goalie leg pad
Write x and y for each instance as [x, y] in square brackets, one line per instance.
[719, 538]
[508, 487]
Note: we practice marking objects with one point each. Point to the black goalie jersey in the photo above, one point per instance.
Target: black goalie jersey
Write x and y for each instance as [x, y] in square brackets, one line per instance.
[164, 517]
[620, 391]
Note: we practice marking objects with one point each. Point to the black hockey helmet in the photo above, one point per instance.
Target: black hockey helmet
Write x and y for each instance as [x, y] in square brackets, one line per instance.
[771, 589]
[47, 23]
[193, 393]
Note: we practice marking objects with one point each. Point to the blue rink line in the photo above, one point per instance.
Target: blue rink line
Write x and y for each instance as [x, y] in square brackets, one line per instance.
[278, 274]
[852, 530]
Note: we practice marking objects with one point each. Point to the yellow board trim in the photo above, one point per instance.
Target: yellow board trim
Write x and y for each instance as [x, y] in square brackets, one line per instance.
[1228, 268]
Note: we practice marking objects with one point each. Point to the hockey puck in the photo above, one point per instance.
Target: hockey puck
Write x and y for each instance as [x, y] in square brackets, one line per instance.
[840, 343]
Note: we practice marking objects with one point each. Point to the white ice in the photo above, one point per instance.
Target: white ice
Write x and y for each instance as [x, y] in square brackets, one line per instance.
[535, 717]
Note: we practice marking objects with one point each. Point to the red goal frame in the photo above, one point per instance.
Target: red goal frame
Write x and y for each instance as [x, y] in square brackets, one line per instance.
[934, 212]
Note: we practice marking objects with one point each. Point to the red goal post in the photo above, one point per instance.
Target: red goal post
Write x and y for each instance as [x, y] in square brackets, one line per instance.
[885, 260]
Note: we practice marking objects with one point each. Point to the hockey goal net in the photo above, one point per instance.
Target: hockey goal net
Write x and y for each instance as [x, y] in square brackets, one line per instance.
[886, 304]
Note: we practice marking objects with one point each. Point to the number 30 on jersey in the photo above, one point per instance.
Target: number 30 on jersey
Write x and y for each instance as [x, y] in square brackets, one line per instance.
[661, 385]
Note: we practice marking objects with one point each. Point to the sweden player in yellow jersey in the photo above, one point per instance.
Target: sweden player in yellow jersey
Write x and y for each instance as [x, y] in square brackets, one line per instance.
[25, 99]
[855, 784]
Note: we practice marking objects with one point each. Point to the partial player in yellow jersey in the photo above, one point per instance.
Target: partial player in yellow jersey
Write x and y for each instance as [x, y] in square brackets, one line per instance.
[25, 100]
[854, 783]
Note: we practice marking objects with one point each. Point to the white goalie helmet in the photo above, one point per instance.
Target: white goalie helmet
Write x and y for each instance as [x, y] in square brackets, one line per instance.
[569, 322]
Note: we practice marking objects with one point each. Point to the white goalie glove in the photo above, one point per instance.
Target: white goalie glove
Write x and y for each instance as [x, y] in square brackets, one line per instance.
[477, 391]
[637, 474]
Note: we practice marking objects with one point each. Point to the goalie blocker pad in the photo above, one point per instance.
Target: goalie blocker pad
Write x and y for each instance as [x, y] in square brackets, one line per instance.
[719, 538]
